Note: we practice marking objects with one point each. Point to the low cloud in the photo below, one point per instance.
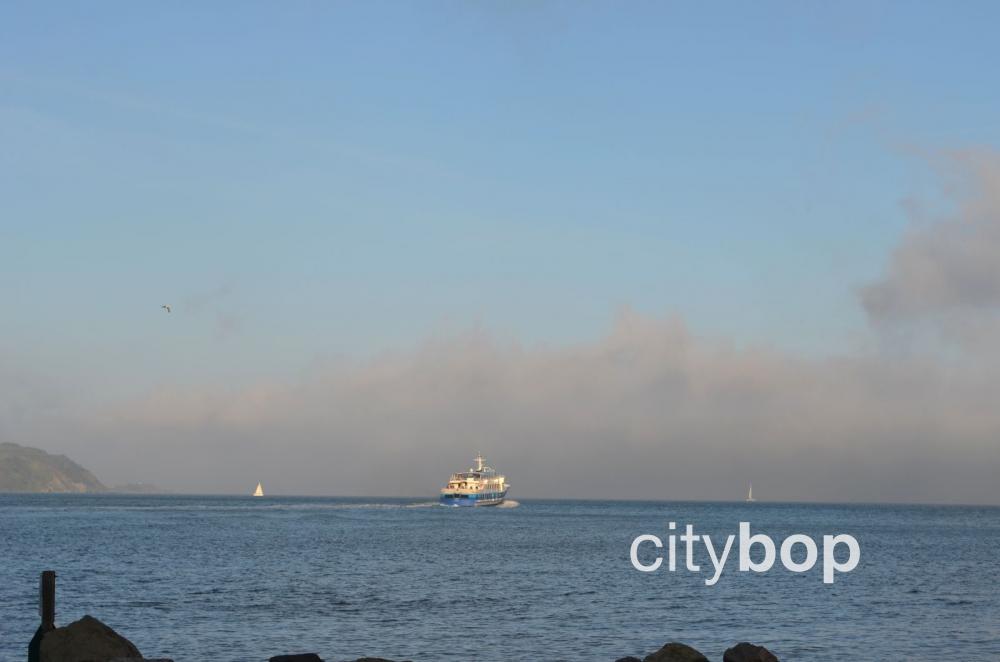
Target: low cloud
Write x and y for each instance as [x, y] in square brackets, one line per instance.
[648, 411]
[949, 266]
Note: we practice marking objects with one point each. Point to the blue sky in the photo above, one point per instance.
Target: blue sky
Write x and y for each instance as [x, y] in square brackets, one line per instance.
[306, 180]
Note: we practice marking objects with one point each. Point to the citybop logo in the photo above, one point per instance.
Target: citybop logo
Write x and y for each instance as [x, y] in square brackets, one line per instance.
[830, 543]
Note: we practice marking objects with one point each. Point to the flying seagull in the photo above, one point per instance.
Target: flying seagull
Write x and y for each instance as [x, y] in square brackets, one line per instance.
[165, 307]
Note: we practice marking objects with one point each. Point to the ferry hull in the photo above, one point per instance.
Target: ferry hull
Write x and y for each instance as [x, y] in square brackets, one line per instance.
[473, 500]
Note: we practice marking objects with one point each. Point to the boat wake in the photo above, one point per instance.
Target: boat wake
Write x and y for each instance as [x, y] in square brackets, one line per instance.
[509, 503]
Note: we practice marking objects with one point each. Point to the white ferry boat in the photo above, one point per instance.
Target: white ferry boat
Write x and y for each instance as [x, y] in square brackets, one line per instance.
[479, 486]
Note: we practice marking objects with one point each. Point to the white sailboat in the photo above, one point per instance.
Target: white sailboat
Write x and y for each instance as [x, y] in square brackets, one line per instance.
[259, 492]
[750, 493]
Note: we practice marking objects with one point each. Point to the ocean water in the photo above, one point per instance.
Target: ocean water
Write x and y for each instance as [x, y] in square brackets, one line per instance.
[235, 578]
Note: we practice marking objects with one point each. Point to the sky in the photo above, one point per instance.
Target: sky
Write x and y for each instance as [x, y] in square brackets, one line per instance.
[641, 250]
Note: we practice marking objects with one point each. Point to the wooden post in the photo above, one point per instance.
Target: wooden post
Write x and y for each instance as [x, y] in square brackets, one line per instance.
[47, 600]
[47, 611]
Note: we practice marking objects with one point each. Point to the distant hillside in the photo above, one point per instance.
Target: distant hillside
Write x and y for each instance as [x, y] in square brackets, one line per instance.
[24, 469]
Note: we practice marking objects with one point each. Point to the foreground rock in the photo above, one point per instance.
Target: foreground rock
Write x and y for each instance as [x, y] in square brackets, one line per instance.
[86, 640]
[747, 652]
[675, 652]
[89, 640]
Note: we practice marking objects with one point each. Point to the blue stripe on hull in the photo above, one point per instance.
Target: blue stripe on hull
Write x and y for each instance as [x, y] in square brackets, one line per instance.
[466, 500]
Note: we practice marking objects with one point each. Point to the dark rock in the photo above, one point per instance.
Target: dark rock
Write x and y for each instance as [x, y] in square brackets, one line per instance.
[628, 659]
[675, 652]
[302, 657]
[86, 640]
[746, 652]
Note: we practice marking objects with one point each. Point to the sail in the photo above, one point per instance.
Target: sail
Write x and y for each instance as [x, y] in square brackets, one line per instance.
[259, 491]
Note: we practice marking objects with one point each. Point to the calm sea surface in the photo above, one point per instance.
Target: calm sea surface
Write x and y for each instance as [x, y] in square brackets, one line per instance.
[236, 578]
